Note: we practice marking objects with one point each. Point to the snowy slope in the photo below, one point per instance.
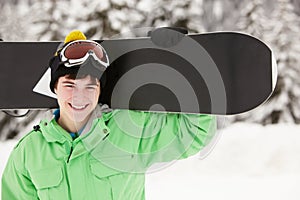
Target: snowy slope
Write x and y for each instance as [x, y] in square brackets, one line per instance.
[249, 162]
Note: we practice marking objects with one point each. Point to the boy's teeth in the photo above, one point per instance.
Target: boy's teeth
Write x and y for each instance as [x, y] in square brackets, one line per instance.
[78, 107]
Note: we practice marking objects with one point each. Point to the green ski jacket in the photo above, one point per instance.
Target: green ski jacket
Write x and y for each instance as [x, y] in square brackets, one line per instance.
[108, 161]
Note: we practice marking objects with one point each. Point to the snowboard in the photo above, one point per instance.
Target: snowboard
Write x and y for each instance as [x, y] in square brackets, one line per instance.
[221, 73]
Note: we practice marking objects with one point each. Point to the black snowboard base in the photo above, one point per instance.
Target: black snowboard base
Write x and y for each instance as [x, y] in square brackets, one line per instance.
[219, 73]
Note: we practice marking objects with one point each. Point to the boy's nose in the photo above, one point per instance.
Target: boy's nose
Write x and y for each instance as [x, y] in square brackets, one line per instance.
[78, 93]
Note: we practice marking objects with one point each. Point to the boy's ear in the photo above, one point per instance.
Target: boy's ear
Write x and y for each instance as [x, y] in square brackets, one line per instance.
[55, 87]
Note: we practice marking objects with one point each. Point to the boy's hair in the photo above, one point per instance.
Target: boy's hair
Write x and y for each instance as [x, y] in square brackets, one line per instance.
[75, 76]
[93, 79]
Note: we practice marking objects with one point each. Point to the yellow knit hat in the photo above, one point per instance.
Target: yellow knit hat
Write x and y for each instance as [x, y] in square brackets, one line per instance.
[74, 35]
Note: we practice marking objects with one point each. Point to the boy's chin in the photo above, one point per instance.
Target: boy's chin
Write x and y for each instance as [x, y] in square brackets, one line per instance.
[80, 118]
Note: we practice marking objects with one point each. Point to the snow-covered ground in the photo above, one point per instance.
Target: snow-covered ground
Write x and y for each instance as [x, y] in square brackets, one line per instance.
[249, 162]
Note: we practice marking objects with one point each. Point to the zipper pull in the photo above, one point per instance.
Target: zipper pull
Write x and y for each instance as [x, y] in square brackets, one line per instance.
[105, 136]
[70, 154]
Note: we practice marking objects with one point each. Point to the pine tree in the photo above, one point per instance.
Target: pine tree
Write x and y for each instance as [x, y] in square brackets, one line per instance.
[221, 15]
[108, 18]
[187, 14]
[254, 20]
[12, 27]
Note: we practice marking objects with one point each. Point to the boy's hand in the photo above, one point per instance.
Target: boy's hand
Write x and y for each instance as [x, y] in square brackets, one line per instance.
[167, 37]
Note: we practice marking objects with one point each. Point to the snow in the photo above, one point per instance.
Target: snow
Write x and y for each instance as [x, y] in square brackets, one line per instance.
[5, 149]
[248, 162]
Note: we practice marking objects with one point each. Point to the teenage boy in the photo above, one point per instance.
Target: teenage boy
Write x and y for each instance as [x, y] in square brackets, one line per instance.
[88, 151]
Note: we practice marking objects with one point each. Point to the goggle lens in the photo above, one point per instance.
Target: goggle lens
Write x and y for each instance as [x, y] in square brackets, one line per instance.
[78, 49]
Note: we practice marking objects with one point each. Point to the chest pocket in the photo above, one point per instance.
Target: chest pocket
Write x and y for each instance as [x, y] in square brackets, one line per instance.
[47, 182]
[101, 171]
[102, 175]
[115, 184]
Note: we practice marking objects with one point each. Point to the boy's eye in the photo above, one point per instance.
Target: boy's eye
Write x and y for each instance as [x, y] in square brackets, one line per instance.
[69, 85]
[91, 87]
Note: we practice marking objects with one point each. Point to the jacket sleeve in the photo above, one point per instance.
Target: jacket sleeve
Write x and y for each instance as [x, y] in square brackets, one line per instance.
[16, 183]
[160, 137]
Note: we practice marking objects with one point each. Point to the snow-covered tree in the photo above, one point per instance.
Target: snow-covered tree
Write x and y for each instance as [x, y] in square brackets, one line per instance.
[13, 26]
[107, 18]
[220, 15]
[254, 19]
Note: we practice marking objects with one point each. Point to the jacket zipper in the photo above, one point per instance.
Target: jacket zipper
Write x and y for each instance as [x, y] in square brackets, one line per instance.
[70, 154]
[105, 136]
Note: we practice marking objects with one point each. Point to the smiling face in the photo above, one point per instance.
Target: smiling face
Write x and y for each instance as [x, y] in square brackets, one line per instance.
[77, 98]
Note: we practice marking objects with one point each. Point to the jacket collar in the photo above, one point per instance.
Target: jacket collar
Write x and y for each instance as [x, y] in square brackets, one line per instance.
[53, 132]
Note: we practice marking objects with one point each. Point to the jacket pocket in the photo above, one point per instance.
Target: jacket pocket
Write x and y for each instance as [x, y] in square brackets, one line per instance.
[102, 185]
[116, 184]
[47, 181]
[102, 171]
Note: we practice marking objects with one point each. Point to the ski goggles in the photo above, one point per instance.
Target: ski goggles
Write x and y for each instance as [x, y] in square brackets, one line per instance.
[77, 52]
